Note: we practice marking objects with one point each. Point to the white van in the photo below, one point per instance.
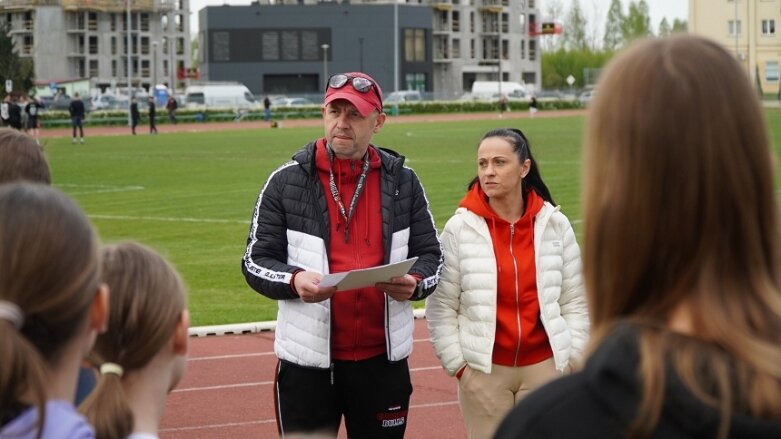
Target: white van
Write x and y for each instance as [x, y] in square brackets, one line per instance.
[492, 90]
[222, 94]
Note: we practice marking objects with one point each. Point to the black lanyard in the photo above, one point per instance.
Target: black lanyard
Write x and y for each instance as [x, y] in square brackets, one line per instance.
[347, 215]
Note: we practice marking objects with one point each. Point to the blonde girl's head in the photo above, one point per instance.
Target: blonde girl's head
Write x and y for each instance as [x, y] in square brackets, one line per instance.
[148, 318]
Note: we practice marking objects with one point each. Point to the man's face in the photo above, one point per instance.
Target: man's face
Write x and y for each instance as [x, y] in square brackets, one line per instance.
[349, 133]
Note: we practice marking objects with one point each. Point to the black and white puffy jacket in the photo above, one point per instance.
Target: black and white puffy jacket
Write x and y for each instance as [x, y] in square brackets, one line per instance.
[290, 232]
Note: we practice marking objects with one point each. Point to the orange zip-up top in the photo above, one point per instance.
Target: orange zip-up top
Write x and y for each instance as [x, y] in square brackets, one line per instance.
[357, 316]
[520, 339]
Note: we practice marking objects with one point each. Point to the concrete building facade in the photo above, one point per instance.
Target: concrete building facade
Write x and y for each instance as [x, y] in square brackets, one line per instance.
[443, 45]
[70, 39]
[746, 28]
[287, 49]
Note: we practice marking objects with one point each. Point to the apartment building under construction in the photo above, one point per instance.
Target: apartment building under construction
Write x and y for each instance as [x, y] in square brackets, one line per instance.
[76, 39]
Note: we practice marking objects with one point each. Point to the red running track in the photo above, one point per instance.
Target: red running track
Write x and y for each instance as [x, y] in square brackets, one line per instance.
[227, 391]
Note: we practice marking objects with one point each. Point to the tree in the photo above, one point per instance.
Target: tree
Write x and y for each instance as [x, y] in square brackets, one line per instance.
[575, 28]
[637, 23]
[679, 26]
[556, 66]
[194, 49]
[19, 70]
[613, 28]
[664, 28]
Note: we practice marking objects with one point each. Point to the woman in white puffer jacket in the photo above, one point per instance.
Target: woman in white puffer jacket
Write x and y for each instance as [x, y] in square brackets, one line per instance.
[510, 312]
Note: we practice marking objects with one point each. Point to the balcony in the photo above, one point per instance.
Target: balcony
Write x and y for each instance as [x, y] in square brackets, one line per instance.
[494, 6]
[113, 5]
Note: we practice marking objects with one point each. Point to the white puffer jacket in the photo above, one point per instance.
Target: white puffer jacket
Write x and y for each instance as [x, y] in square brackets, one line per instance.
[461, 313]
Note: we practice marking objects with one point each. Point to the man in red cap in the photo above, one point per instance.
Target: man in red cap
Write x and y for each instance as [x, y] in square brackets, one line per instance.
[343, 204]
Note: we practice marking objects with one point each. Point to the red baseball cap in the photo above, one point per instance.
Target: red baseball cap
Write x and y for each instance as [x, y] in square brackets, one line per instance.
[365, 102]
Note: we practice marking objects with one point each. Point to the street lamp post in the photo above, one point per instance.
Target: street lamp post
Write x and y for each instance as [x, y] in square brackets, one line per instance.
[128, 49]
[154, 66]
[325, 65]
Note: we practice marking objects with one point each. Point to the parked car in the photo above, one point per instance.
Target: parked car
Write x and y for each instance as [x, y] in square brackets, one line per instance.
[219, 94]
[585, 97]
[293, 102]
[403, 96]
[109, 102]
[57, 102]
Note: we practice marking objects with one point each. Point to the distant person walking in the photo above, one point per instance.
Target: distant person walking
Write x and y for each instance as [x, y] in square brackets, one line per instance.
[266, 109]
[14, 115]
[4, 110]
[33, 109]
[76, 110]
[533, 106]
[503, 105]
[152, 115]
[134, 115]
[171, 106]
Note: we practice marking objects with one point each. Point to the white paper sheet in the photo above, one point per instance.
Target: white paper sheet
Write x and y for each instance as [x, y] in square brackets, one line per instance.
[367, 277]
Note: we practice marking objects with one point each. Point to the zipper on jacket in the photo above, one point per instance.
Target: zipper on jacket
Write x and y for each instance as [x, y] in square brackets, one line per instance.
[332, 373]
[517, 296]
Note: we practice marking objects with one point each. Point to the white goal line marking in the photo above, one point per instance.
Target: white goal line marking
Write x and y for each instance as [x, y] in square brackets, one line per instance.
[168, 219]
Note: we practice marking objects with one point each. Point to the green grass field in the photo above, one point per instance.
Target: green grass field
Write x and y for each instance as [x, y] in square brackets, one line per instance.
[190, 195]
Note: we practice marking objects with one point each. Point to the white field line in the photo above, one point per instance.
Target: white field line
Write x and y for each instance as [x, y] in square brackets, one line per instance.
[261, 354]
[272, 420]
[268, 383]
[168, 219]
[100, 188]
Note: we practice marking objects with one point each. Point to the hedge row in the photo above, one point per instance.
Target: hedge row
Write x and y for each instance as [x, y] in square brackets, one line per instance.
[57, 119]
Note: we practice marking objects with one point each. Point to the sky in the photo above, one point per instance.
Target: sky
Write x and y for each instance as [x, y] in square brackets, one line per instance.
[658, 9]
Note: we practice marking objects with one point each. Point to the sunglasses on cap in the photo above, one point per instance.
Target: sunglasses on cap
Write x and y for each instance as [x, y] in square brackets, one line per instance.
[359, 83]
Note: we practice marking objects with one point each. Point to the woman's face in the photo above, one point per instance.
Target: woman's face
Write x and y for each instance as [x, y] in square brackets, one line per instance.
[500, 169]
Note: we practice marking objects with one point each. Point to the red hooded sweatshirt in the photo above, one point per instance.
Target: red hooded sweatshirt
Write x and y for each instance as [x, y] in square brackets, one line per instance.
[357, 316]
[520, 339]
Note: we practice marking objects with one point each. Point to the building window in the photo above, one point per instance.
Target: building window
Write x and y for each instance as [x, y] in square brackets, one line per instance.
[768, 27]
[179, 23]
[414, 45]
[523, 49]
[472, 22]
[456, 21]
[532, 50]
[456, 48]
[27, 47]
[472, 47]
[114, 46]
[92, 21]
[771, 71]
[415, 81]
[733, 27]
[114, 68]
[93, 46]
[290, 45]
[145, 22]
[93, 68]
[271, 46]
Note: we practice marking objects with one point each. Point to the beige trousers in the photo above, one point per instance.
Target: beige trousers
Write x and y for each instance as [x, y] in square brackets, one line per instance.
[485, 399]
